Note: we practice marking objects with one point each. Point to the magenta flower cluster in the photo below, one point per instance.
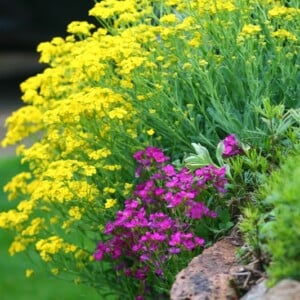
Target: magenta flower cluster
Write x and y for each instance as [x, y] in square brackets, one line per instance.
[232, 146]
[155, 223]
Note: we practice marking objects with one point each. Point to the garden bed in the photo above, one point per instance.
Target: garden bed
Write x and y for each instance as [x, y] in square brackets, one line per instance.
[157, 130]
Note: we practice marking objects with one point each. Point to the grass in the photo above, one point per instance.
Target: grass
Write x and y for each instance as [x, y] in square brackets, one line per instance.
[13, 283]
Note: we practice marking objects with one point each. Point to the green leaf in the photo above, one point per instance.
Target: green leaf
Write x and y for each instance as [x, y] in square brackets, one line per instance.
[200, 160]
[219, 153]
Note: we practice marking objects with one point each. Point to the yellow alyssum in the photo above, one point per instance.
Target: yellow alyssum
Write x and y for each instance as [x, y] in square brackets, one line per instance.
[21, 124]
[100, 153]
[34, 228]
[285, 12]
[250, 29]
[20, 244]
[80, 28]
[29, 273]
[110, 203]
[12, 219]
[53, 245]
[76, 212]
[213, 6]
[284, 34]
[18, 184]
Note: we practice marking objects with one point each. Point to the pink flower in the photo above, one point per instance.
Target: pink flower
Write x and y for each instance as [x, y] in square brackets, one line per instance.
[198, 210]
[175, 239]
[231, 146]
[169, 170]
[157, 154]
[199, 241]
[141, 273]
[174, 250]
[156, 236]
[156, 223]
[100, 251]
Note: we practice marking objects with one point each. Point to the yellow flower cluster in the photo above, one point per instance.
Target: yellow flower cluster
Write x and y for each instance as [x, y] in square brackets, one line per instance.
[250, 29]
[22, 123]
[53, 245]
[122, 12]
[18, 185]
[110, 203]
[284, 34]
[287, 13]
[214, 6]
[80, 28]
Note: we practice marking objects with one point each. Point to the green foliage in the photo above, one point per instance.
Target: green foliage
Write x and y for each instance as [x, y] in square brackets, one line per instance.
[172, 74]
[270, 220]
[251, 223]
[282, 234]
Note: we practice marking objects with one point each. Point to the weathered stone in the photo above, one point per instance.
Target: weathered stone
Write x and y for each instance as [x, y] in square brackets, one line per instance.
[207, 276]
[286, 289]
[256, 292]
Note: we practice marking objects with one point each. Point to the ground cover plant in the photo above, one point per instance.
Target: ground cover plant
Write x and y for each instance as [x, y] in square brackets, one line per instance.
[282, 231]
[170, 112]
[270, 226]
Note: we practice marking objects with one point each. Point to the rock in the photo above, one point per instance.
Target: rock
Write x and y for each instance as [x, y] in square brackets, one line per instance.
[256, 292]
[286, 289]
[207, 276]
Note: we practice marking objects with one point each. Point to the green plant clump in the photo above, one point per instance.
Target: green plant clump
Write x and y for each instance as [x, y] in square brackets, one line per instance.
[282, 234]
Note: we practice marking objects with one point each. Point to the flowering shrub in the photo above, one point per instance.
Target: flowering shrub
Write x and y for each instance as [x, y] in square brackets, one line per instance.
[161, 219]
[167, 73]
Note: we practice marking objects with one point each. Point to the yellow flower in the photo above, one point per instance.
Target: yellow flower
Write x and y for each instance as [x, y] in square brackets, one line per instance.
[76, 212]
[55, 271]
[69, 248]
[12, 219]
[284, 34]
[215, 6]
[117, 113]
[141, 97]
[67, 224]
[112, 167]
[80, 28]
[187, 66]
[150, 131]
[22, 123]
[168, 19]
[109, 190]
[35, 227]
[203, 62]
[15, 247]
[283, 11]
[110, 203]
[49, 246]
[250, 29]
[127, 188]
[18, 184]
[29, 273]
